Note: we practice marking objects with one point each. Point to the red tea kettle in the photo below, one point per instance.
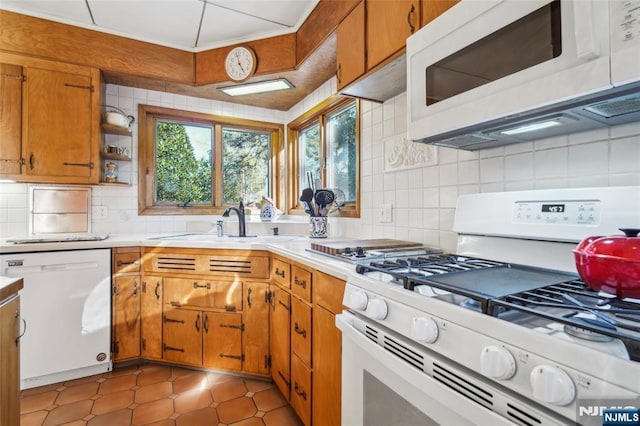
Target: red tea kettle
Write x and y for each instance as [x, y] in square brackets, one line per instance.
[611, 264]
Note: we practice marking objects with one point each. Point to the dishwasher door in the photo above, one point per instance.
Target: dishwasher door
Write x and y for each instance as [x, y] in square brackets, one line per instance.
[66, 302]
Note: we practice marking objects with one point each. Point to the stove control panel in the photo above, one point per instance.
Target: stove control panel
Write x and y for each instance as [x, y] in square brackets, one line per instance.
[574, 212]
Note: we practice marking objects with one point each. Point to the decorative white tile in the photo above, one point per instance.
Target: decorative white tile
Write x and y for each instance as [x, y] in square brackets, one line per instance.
[447, 155]
[402, 198]
[431, 176]
[389, 181]
[448, 196]
[519, 166]
[431, 197]
[431, 218]
[468, 172]
[449, 174]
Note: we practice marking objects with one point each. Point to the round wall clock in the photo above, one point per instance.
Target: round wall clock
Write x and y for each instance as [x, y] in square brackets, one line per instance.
[240, 63]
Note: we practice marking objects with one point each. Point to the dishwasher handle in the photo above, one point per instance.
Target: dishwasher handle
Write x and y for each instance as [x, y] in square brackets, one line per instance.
[24, 329]
[18, 271]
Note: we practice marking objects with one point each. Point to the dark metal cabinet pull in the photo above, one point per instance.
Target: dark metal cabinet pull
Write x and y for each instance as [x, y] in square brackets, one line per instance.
[279, 273]
[207, 285]
[135, 289]
[285, 306]
[284, 378]
[89, 165]
[411, 26]
[157, 290]
[122, 262]
[299, 391]
[166, 319]
[301, 283]
[205, 323]
[198, 323]
[301, 331]
[249, 290]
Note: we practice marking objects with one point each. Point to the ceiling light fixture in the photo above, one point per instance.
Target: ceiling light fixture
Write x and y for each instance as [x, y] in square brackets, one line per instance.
[531, 127]
[259, 87]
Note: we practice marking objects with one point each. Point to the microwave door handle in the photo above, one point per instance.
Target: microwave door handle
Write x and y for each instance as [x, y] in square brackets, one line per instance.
[587, 46]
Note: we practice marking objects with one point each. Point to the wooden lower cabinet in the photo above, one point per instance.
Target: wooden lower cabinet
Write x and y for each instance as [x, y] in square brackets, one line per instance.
[182, 336]
[301, 389]
[10, 361]
[151, 318]
[126, 318]
[222, 341]
[255, 337]
[327, 368]
[280, 338]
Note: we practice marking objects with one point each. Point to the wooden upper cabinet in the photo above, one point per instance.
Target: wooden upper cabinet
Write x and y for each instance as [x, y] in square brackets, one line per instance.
[11, 78]
[388, 25]
[350, 47]
[431, 9]
[53, 122]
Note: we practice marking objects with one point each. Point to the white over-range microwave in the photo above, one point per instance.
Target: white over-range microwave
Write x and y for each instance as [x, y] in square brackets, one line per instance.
[492, 72]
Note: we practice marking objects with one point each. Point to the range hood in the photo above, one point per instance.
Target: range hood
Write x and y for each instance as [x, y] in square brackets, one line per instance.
[612, 107]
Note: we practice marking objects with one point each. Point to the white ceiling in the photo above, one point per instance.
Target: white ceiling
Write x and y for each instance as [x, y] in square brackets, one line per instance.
[191, 25]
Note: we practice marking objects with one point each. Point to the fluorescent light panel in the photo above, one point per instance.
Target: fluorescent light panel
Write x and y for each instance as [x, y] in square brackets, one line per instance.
[531, 127]
[259, 87]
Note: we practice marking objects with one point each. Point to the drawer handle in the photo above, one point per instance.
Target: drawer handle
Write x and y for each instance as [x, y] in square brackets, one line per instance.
[411, 26]
[122, 262]
[249, 290]
[285, 306]
[238, 357]
[301, 283]
[205, 324]
[198, 323]
[207, 285]
[279, 273]
[166, 319]
[299, 391]
[24, 330]
[286, 382]
[301, 331]
[170, 348]
[157, 290]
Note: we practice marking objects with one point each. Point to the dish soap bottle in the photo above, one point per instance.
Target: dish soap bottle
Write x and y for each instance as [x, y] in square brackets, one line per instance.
[267, 210]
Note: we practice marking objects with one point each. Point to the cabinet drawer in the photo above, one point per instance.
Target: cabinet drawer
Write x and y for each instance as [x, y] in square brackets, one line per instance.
[301, 283]
[198, 293]
[243, 264]
[301, 330]
[126, 259]
[328, 292]
[301, 389]
[281, 273]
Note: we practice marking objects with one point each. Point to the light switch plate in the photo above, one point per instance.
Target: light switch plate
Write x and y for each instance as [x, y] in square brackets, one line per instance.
[386, 213]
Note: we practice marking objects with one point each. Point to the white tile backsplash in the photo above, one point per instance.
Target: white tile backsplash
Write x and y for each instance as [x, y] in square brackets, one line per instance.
[423, 198]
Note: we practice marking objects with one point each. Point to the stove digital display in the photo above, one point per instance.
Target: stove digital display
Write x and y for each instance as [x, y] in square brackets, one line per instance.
[553, 208]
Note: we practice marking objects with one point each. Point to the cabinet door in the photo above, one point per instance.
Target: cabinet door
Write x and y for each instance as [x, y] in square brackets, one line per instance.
[57, 125]
[280, 339]
[126, 318]
[301, 330]
[255, 338]
[389, 23]
[151, 317]
[301, 390]
[431, 9]
[222, 341]
[208, 294]
[350, 47]
[10, 363]
[327, 368]
[182, 336]
[10, 119]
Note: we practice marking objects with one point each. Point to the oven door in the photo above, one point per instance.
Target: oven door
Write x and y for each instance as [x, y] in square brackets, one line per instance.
[483, 61]
[382, 389]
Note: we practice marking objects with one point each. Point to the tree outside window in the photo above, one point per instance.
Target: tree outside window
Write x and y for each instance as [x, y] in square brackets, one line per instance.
[196, 163]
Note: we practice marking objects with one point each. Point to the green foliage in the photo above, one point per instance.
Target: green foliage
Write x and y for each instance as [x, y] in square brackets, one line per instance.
[180, 177]
[343, 152]
[245, 167]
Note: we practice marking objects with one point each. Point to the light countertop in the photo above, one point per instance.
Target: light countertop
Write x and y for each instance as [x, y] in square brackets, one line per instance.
[290, 246]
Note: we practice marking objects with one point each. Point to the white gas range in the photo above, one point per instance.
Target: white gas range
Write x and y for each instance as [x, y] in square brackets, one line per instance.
[502, 332]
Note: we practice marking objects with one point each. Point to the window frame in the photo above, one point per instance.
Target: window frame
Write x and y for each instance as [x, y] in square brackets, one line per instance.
[319, 114]
[147, 117]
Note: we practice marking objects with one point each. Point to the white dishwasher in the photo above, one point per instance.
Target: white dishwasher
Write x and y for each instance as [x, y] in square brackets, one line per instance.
[66, 302]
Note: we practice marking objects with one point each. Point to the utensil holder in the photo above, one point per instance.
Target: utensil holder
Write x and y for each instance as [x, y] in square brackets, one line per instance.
[318, 227]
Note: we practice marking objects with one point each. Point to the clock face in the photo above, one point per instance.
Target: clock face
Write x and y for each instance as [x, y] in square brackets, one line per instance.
[240, 63]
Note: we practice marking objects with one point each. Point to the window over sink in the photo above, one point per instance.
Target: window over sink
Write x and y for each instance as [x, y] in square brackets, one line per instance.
[195, 163]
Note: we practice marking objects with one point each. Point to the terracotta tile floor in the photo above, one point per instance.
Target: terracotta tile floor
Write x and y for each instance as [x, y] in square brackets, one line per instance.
[152, 394]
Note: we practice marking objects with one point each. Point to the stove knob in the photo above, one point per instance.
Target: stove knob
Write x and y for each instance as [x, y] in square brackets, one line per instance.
[424, 330]
[552, 385]
[358, 300]
[497, 362]
[377, 309]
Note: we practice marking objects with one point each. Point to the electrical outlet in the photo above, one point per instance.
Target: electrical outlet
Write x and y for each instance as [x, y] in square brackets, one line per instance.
[385, 213]
[99, 212]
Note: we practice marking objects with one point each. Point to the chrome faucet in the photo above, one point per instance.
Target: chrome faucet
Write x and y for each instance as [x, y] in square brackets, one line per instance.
[242, 226]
